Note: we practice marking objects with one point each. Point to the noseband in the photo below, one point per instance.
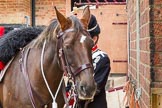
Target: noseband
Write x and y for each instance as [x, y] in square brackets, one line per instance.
[63, 58]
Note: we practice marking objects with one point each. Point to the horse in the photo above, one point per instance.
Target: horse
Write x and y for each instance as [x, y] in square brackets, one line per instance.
[35, 73]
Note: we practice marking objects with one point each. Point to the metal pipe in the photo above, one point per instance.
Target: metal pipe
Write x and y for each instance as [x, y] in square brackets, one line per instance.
[33, 12]
[27, 20]
[138, 40]
[128, 38]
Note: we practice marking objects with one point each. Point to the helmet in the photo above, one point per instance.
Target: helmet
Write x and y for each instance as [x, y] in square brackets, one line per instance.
[93, 27]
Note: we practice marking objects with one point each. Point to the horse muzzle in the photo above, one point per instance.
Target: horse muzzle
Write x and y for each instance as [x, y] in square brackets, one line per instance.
[86, 92]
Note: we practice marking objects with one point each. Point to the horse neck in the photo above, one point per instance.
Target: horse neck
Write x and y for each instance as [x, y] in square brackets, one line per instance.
[51, 57]
[51, 66]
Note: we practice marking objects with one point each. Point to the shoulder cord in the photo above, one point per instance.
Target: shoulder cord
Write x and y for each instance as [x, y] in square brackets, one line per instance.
[42, 71]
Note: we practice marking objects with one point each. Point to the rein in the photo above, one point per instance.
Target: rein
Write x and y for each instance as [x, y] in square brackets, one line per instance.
[23, 63]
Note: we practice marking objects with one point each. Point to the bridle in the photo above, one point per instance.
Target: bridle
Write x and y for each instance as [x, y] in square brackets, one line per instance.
[63, 58]
[63, 61]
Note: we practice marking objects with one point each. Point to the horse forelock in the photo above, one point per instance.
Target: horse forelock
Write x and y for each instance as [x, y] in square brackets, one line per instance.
[76, 23]
[79, 27]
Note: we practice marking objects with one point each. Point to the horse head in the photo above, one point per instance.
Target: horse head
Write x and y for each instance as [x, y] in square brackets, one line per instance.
[75, 45]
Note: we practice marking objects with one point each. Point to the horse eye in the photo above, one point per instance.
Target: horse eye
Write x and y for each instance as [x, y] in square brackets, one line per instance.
[67, 47]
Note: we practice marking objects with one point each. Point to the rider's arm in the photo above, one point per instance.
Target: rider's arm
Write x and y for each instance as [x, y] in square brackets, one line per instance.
[101, 72]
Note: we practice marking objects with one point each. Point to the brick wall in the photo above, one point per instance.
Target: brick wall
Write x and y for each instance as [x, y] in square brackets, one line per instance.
[139, 49]
[14, 11]
[150, 50]
[45, 10]
[156, 34]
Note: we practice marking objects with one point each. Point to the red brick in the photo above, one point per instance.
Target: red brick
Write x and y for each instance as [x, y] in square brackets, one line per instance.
[14, 11]
[133, 54]
[133, 45]
[142, 6]
[133, 36]
[147, 73]
[156, 13]
[142, 69]
[157, 29]
[145, 31]
[145, 58]
[147, 3]
[144, 83]
[142, 104]
[145, 44]
[157, 84]
[156, 2]
[158, 73]
[45, 10]
[147, 86]
[144, 18]
[158, 59]
[158, 44]
[145, 97]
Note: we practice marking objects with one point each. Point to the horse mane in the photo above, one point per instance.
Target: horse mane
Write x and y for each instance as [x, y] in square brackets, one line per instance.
[51, 31]
[48, 33]
[11, 42]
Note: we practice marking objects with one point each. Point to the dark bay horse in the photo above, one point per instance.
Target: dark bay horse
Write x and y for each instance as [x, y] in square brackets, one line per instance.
[64, 46]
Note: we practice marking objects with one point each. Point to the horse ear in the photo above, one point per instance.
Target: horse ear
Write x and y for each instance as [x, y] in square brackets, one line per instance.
[86, 17]
[64, 22]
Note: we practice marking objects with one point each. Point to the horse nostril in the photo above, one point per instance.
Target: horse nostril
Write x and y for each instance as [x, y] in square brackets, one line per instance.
[82, 88]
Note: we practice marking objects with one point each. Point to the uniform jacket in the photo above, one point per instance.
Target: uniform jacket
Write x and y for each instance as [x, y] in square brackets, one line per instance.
[101, 64]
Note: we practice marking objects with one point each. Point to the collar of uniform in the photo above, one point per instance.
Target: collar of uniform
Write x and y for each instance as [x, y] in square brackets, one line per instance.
[94, 48]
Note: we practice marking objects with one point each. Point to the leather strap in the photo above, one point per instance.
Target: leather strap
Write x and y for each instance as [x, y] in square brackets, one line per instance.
[64, 95]
[26, 77]
[81, 68]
